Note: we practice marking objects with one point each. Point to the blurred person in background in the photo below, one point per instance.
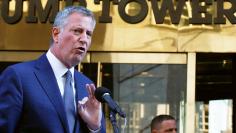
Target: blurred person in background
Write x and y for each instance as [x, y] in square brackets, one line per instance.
[163, 124]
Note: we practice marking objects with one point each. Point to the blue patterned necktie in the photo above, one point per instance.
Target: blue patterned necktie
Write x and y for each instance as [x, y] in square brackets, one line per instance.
[69, 101]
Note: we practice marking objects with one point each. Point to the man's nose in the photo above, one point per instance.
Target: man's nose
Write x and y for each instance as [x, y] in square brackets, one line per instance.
[83, 37]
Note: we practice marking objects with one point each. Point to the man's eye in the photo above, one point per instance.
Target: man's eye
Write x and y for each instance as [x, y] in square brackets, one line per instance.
[89, 33]
[76, 31]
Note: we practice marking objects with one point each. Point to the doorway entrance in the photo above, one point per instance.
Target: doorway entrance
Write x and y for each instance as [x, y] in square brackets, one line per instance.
[144, 85]
[215, 93]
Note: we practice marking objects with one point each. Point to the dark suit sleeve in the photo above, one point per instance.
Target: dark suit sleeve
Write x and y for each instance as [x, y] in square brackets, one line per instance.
[103, 126]
[11, 100]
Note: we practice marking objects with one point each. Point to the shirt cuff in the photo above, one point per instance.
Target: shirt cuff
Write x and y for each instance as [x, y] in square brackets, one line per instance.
[94, 131]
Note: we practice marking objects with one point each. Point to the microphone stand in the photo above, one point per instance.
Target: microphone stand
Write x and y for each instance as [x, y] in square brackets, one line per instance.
[113, 121]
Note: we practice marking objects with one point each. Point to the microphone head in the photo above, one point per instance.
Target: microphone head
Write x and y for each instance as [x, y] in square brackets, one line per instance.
[99, 92]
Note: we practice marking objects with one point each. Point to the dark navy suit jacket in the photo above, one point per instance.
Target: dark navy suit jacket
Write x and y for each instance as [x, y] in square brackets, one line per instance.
[30, 100]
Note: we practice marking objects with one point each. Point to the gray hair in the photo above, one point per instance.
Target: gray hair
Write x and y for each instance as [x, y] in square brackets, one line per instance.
[61, 18]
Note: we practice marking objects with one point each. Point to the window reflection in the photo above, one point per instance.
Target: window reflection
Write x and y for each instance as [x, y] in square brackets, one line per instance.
[146, 90]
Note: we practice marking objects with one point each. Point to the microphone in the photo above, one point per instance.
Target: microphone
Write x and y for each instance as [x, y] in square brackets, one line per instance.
[102, 94]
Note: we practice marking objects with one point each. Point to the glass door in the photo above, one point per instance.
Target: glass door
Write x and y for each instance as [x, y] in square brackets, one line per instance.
[142, 88]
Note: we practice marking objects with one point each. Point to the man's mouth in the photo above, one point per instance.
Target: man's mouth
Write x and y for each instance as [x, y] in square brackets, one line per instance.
[81, 49]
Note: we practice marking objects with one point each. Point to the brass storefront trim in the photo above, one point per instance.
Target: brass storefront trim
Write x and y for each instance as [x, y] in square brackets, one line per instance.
[99, 74]
[145, 58]
[105, 57]
[190, 94]
[20, 56]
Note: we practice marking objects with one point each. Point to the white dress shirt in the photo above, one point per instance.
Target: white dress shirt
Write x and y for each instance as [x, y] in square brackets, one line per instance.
[59, 70]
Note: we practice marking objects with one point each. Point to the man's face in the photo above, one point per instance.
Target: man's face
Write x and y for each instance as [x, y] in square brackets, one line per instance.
[74, 39]
[167, 126]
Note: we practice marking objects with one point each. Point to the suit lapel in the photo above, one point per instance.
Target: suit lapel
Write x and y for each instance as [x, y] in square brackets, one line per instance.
[81, 92]
[46, 77]
[80, 86]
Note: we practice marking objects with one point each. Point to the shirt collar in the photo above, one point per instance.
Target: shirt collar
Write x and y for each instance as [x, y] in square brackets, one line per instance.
[58, 67]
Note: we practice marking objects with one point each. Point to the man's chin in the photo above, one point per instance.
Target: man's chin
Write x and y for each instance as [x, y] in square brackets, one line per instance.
[77, 60]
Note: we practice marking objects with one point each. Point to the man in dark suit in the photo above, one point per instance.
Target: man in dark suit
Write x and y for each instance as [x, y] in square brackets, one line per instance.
[33, 94]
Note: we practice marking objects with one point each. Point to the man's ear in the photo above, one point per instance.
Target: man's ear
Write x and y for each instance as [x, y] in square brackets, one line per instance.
[55, 34]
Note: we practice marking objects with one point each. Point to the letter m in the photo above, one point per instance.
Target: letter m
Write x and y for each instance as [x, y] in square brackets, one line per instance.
[52, 6]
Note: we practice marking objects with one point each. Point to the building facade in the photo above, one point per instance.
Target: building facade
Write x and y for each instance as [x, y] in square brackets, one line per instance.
[154, 55]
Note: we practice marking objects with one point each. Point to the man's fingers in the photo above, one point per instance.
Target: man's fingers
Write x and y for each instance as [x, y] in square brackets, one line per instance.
[81, 103]
[91, 89]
